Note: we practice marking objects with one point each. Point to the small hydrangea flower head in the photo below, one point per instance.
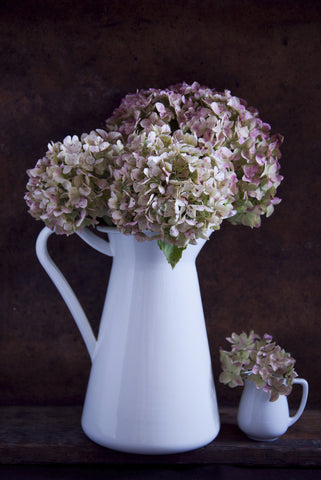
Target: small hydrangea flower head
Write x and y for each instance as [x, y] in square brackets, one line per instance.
[259, 360]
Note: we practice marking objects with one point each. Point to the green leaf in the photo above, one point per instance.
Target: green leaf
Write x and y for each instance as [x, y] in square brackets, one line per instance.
[173, 253]
[108, 221]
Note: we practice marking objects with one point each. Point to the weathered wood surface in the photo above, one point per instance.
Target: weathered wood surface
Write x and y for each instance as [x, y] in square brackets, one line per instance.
[40, 435]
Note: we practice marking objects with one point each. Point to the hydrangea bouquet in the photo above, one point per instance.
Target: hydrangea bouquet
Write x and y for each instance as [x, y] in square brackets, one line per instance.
[259, 360]
[175, 162]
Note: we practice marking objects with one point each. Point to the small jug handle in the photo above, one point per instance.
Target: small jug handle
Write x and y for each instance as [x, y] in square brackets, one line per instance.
[304, 398]
[63, 286]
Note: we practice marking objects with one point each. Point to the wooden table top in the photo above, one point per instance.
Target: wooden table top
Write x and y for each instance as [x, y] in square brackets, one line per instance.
[50, 434]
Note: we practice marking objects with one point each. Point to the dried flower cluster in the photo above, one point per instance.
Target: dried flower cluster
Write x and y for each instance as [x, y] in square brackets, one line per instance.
[175, 162]
[259, 360]
[69, 188]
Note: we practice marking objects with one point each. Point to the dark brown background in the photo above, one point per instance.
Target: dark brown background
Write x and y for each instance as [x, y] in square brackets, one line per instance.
[64, 67]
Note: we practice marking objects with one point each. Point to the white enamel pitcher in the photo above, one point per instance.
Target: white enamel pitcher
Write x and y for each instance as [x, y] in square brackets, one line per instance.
[151, 388]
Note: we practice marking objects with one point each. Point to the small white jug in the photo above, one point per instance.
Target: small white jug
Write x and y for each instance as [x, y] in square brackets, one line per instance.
[263, 420]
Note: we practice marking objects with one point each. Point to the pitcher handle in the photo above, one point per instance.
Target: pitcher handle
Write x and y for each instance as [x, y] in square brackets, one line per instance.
[304, 398]
[63, 286]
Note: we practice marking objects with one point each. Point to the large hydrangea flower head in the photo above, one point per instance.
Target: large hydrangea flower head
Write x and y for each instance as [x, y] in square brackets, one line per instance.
[175, 162]
[222, 130]
[163, 182]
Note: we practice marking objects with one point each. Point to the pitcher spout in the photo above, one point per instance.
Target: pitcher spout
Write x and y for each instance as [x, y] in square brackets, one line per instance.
[193, 250]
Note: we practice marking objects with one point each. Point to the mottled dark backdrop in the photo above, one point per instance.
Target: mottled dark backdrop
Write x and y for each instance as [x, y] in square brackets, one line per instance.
[64, 67]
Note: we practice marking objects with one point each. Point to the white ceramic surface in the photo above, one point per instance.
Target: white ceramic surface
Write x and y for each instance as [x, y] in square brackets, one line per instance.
[151, 388]
[263, 420]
